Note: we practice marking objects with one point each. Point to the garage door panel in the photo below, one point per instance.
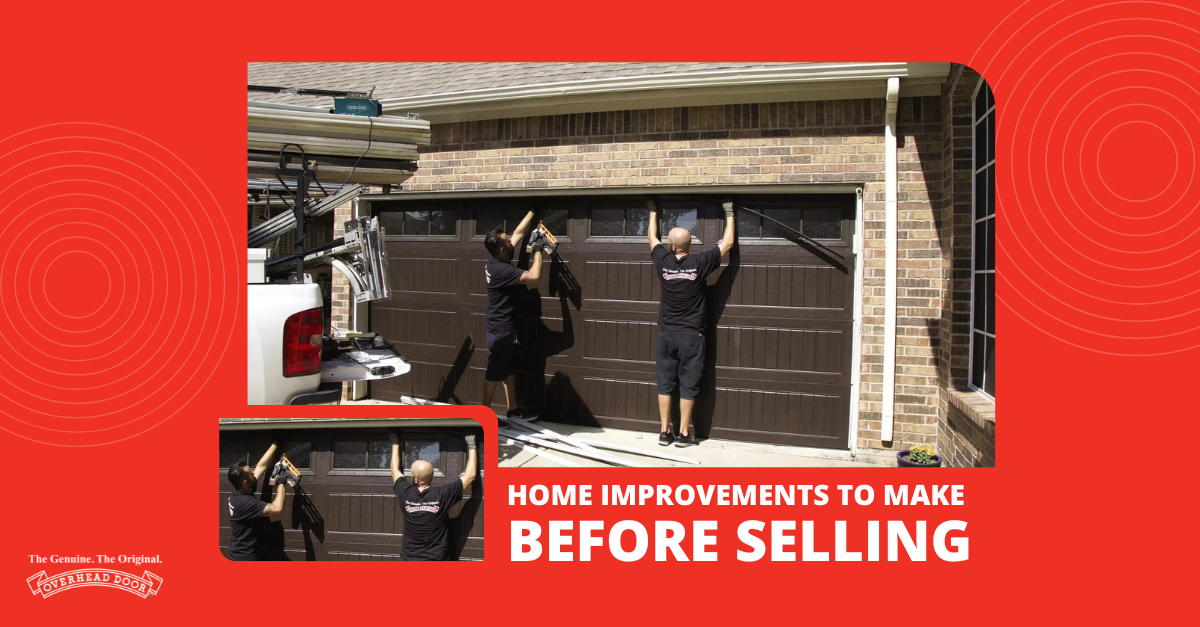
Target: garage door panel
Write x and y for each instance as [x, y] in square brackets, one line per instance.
[623, 398]
[620, 281]
[423, 275]
[770, 412]
[767, 348]
[416, 326]
[787, 286]
[626, 340]
[782, 329]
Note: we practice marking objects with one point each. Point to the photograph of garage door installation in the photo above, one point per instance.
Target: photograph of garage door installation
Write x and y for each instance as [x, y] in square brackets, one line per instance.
[351, 489]
[843, 315]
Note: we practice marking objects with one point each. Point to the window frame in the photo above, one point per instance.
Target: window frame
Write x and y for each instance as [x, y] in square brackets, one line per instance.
[334, 471]
[401, 209]
[253, 443]
[522, 207]
[626, 239]
[975, 122]
[419, 436]
[845, 214]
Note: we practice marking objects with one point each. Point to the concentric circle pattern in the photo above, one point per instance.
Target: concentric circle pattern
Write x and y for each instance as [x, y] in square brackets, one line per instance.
[1098, 147]
[116, 290]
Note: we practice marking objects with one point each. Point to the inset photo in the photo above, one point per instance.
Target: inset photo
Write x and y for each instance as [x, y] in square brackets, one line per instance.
[352, 489]
[635, 264]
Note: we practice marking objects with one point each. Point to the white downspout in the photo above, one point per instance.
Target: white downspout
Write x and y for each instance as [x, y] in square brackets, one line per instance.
[889, 275]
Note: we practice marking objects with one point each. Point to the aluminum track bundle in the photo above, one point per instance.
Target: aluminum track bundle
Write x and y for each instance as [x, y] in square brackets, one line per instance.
[285, 222]
[385, 129]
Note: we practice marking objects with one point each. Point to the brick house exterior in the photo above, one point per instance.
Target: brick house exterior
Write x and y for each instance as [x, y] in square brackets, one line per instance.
[792, 142]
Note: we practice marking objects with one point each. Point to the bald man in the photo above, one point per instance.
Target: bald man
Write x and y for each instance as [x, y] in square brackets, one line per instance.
[681, 319]
[426, 507]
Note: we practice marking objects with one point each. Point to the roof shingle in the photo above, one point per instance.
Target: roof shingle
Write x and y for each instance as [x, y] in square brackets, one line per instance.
[399, 80]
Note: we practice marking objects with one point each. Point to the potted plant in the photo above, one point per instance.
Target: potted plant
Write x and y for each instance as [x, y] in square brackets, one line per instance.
[919, 456]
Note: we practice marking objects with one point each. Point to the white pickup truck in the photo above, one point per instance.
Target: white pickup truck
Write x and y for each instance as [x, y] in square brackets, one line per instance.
[290, 358]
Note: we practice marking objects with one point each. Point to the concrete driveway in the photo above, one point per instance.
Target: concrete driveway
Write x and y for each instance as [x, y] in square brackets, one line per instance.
[710, 453]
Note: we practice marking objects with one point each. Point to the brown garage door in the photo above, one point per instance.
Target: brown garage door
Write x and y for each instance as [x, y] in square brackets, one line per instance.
[779, 356]
[344, 509]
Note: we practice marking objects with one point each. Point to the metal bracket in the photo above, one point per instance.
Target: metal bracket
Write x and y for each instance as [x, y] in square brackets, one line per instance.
[361, 257]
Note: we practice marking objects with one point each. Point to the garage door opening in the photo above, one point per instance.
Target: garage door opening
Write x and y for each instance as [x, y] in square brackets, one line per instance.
[780, 319]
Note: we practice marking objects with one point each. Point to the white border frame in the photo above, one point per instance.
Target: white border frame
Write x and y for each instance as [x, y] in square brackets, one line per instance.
[974, 221]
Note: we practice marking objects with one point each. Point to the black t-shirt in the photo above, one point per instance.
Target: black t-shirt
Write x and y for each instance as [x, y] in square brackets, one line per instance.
[682, 304]
[425, 516]
[246, 524]
[503, 290]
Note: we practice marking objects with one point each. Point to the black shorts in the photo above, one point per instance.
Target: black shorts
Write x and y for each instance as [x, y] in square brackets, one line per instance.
[680, 363]
[502, 356]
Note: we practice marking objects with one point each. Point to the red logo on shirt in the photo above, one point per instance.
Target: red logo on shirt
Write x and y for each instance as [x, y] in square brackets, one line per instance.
[680, 274]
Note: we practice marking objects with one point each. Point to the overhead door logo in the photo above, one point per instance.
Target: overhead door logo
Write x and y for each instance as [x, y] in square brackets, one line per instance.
[145, 586]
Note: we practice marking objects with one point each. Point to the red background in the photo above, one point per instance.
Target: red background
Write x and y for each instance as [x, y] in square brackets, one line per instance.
[1082, 519]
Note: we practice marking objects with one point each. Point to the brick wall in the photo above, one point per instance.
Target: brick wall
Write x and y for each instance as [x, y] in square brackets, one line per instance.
[775, 143]
[966, 425]
[341, 300]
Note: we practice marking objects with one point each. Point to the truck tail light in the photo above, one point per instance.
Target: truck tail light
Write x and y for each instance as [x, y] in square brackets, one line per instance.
[302, 343]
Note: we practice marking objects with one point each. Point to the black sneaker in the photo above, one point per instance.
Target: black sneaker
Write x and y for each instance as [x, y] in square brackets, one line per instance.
[522, 414]
[685, 440]
[666, 438]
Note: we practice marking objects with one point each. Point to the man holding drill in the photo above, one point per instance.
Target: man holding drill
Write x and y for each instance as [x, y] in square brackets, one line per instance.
[247, 513]
[505, 285]
[679, 363]
[426, 507]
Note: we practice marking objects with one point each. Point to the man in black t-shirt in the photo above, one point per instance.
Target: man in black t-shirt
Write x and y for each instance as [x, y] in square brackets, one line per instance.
[248, 513]
[505, 283]
[426, 507]
[679, 363]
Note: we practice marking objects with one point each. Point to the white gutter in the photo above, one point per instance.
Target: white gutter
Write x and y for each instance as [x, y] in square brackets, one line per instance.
[602, 92]
[889, 274]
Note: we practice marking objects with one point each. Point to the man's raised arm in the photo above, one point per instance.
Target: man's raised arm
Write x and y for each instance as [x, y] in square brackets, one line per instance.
[263, 464]
[729, 237]
[534, 273]
[395, 465]
[468, 476]
[519, 233]
[274, 508]
[652, 228]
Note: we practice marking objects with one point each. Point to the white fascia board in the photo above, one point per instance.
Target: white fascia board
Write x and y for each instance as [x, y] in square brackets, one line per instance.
[810, 81]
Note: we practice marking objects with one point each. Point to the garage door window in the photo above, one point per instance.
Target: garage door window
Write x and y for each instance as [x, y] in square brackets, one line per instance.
[362, 455]
[817, 223]
[299, 453]
[236, 452]
[427, 450]
[635, 221]
[420, 223]
[487, 220]
[983, 315]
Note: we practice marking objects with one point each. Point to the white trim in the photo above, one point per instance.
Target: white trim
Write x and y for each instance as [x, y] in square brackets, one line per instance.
[992, 216]
[764, 188]
[856, 340]
[891, 179]
[739, 85]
